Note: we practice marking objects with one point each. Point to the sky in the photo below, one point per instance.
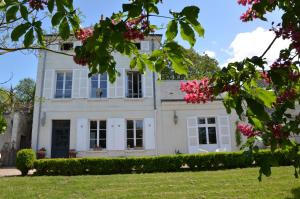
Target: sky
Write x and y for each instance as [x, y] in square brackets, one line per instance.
[226, 39]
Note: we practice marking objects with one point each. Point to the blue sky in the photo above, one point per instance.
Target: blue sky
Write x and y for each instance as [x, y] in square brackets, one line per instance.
[219, 18]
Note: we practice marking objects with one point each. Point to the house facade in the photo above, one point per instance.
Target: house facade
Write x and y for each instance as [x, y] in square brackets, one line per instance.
[135, 116]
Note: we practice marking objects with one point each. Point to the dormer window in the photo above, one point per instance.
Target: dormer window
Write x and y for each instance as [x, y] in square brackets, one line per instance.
[67, 46]
[138, 45]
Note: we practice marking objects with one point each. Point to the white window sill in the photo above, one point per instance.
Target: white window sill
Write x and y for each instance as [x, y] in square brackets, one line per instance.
[134, 99]
[97, 99]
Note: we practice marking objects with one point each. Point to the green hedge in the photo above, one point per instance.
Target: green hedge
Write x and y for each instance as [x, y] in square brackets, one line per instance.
[25, 159]
[173, 163]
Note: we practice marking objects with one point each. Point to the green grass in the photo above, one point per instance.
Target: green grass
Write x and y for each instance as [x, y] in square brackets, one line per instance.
[231, 184]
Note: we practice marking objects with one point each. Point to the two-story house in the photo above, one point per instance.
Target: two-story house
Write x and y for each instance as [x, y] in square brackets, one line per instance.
[135, 116]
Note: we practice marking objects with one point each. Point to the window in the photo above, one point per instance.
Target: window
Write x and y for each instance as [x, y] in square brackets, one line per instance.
[98, 134]
[99, 86]
[207, 130]
[138, 45]
[67, 46]
[134, 85]
[134, 134]
[63, 85]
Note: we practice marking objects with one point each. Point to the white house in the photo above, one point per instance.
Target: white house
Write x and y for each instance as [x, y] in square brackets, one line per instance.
[135, 116]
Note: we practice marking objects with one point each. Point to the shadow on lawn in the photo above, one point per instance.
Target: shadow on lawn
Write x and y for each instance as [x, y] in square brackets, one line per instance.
[296, 193]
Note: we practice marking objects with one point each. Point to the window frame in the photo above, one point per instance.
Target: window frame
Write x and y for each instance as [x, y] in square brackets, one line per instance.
[99, 86]
[64, 84]
[134, 135]
[140, 92]
[62, 45]
[98, 130]
[206, 126]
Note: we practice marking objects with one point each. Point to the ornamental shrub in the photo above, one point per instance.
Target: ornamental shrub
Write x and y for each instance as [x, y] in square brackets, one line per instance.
[171, 163]
[25, 160]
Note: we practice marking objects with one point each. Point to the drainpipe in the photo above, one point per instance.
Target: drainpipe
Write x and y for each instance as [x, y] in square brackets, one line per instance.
[154, 103]
[40, 101]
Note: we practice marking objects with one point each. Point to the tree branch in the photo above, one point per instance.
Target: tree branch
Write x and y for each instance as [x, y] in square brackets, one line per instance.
[270, 45]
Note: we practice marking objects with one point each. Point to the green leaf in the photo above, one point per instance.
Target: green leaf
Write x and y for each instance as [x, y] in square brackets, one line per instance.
[11, 13]
[64, 29]
[198, 28]
[29, 37]
[50, 5]
[172, 30]
[191, 12]
[178, 64]
[56, 19]
[133, 63]
[24, 11]
[187, 33]
[256, 109]
[19, 31]
[266, 97]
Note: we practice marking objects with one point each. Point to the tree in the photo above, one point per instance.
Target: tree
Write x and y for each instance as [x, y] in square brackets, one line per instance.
[266, 108]
[203, 66]
[25, 93]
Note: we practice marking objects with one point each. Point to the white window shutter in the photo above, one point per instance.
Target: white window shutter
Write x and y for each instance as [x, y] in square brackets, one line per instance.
[83, 83]
[145, 45]
[119, 134]
[82, 143]
[76, 83]
[119, 85]
[224, 133]
[49, 80]
[115, 138]
[148, 84]
[192, 133]
[111, 90]
[149, 133]
[110, 134]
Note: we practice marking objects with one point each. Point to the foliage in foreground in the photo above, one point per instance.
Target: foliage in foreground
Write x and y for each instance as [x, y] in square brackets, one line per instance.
[25, 160]
[174, 163]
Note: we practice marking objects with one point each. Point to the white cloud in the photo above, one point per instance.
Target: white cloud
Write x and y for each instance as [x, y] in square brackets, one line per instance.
[254, 43]
[209, 53]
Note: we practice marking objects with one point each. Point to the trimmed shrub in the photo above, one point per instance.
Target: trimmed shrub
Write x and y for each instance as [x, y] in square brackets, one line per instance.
[25, 160]
[172, 163]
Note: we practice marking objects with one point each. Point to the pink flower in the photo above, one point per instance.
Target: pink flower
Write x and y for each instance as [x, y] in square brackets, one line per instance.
[247, 130]
[197, 91]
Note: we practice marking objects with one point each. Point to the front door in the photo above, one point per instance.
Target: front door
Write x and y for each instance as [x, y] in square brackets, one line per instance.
[60, 138]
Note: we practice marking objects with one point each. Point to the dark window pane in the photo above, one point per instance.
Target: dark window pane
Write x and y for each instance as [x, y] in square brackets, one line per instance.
[93, 144]
[212, 137]
[130, 143]
[130, 134]
[68, 93]
[68, 76]
[94, 84]
[95, 77]
[102, 144]
[93, 134]
[104, 93]
[102, 124]
[59, 84]
[102, 134]
[139, 142]
[129, 124]
[139, 133]
[94, 92]
[68, 85]
[103, 84]
[103, 76]
[60, 76]
[93, 125]
[211, 120]
[59, 94]
[139, 124]
[202, 135]
[201, 120]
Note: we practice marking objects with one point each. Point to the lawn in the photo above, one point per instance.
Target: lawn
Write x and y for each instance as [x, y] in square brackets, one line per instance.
[238, 183]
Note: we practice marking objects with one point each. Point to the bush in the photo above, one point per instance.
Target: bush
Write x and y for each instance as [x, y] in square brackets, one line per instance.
[172, 163]
[25, 160]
